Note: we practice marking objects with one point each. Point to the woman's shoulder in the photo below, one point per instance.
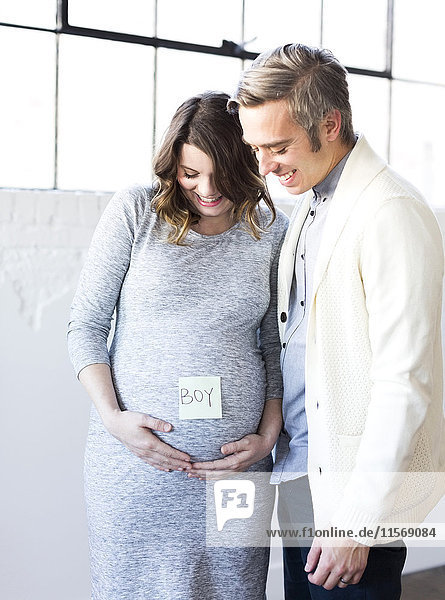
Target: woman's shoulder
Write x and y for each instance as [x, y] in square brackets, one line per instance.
[132, 202]
[282, 219]
[137, 196]
[280, 224]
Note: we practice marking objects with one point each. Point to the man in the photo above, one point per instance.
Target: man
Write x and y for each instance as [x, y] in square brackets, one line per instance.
[360, 286]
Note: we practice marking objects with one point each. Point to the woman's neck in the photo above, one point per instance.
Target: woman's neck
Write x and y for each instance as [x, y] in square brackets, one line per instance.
[213, 226]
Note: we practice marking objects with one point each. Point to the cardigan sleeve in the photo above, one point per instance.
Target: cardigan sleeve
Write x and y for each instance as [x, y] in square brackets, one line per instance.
[402, 271]
[268, 335]
[101, 280]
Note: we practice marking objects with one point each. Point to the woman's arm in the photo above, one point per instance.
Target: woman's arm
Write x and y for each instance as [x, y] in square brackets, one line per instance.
[133, 429]
[91, 313]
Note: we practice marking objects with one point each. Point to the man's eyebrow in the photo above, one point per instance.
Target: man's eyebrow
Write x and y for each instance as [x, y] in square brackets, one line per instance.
[273, 144]
[189, 168]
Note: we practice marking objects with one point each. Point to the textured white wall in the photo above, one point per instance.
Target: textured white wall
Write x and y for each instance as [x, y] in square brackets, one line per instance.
[44, 548]
[44, 410]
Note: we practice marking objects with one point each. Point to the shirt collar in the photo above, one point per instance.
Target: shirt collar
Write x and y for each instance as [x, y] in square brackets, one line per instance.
[326, 188]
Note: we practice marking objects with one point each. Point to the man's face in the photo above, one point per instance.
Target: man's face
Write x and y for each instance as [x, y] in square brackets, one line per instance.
[283, 148]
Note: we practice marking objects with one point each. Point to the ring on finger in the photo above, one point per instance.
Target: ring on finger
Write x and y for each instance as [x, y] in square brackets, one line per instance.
[344, 581]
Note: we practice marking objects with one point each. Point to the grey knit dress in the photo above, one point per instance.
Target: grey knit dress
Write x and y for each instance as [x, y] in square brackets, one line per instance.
[206, 309]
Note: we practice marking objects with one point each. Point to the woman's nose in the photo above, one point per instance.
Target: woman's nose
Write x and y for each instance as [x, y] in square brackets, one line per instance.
[207, 188]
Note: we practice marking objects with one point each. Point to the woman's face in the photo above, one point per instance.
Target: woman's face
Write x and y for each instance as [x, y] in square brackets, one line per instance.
[195, 176]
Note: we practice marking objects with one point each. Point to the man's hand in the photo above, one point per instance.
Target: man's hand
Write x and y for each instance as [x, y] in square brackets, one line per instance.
[240, 456]
[134, 430]
[327, 565]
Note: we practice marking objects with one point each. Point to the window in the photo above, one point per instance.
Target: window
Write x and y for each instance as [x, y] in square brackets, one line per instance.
[27, 108]
[132, 16]
[91, 85]
[105, 113]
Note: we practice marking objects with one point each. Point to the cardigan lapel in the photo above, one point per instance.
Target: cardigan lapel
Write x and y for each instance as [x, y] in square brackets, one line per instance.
[287, 257]
[360, 169]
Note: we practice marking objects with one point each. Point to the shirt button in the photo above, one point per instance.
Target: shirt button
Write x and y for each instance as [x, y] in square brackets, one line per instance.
[302, 256]
[318, 404]
[319, 469]
[312, 213]
[283, 317]
[284, 344]
[302, 302]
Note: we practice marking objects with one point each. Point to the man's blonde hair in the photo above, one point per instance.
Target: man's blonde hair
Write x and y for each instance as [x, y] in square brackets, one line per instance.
[311, 80]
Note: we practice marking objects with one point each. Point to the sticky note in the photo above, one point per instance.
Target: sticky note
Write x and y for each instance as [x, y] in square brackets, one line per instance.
[200, 398]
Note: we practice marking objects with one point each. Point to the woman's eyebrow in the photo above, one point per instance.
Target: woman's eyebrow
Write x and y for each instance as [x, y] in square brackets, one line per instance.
[189, 168]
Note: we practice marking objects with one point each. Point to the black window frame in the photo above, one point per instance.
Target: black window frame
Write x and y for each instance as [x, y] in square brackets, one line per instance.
[228, 48]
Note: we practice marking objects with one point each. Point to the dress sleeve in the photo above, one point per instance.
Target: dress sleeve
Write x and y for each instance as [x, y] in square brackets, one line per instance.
[269, 337]
[100, 282]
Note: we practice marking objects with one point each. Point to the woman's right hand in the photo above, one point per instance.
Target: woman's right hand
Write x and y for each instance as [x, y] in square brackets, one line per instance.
[134, 430]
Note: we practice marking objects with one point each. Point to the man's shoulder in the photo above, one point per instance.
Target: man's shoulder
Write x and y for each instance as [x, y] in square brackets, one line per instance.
[394, 184]
[392, 194]
[372, 186]
[384, 182]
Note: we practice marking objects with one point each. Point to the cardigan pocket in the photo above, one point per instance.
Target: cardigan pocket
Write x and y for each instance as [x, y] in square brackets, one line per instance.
[349, 441]
[348, 446]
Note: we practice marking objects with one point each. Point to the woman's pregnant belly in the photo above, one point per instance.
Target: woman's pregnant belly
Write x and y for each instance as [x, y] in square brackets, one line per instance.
[158, 394]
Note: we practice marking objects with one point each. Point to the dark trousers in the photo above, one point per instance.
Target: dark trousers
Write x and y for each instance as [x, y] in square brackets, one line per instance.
[381, 579]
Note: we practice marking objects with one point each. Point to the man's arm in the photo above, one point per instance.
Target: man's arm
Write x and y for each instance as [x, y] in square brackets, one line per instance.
[401, 270]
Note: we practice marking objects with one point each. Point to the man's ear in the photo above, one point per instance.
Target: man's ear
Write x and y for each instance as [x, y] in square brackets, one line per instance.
[331, 125]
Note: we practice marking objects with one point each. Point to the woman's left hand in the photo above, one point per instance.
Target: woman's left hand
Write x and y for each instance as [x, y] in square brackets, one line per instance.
[240, 456]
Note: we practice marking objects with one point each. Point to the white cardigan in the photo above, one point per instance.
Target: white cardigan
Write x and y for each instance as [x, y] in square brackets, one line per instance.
[373, 353]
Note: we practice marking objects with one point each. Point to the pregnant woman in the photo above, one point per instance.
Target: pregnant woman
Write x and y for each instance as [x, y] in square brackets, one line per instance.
[189, 267]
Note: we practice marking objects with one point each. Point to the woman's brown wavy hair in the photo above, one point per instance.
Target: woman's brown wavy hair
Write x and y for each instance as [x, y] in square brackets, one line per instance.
[204, 122]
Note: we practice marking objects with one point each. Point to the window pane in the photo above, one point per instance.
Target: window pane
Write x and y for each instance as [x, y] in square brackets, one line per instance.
[289, 21]
[105, 114]
[369, 98]
[131, 16]
[27, 105]
[356, 32]
[37, 13]
[193, 73]
[418, 40]
[417, 149]
[200, 21]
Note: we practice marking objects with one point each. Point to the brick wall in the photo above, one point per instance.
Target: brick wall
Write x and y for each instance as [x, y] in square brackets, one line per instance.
[44, 236]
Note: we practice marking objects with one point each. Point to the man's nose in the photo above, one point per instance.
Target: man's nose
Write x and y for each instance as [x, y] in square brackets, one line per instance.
[266, 163]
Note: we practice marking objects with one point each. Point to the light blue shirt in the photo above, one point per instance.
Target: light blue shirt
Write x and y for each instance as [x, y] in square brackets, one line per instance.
[291, 450]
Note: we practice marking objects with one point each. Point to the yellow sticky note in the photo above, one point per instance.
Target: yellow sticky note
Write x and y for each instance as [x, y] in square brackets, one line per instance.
[200, 398]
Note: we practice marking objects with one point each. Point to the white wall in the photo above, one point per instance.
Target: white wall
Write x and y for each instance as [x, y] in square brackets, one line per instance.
[44, 410]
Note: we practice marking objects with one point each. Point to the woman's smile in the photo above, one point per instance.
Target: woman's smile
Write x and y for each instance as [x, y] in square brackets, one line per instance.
[208, 201]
